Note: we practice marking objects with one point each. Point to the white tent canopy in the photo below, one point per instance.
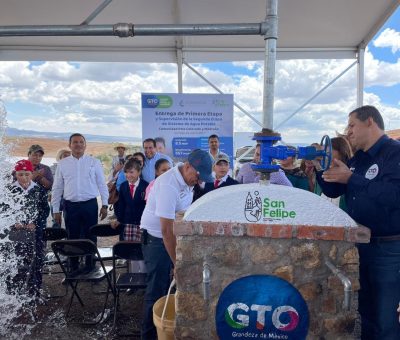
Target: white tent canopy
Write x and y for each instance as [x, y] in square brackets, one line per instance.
[306, 29]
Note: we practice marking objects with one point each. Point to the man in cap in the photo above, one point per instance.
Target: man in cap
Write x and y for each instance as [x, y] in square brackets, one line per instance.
[172, 192]
[41, 173]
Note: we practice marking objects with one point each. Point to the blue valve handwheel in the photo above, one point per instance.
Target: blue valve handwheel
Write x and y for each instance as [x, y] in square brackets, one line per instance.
[327, 156]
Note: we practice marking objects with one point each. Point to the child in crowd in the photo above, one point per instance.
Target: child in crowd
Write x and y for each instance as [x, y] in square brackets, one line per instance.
[26, 235]
[293, 172]
[221, 169]
[342, 151]
[131, 201]
[162, 165]
[121, 175]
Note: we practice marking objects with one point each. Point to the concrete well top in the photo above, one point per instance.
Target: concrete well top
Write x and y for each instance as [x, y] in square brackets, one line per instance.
[269, 211]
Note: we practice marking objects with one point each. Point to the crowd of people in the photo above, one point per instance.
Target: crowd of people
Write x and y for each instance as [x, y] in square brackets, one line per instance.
[363, 180]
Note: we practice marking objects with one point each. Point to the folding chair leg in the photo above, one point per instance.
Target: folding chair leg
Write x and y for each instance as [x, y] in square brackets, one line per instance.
[74, 293]
[116, 305]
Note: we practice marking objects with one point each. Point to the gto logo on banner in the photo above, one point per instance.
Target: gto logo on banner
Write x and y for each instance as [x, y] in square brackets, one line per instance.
[263, 307]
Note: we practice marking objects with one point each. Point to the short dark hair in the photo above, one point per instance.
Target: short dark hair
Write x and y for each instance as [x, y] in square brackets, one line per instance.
[213, 136]
[151, 140]
[160, 162]
[366, 111]
[132, 164]
[160, 140]
[76, 135]
[139, 154]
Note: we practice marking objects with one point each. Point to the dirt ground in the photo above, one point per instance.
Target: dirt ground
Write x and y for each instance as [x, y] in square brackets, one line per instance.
[50, 322]
[51, 146]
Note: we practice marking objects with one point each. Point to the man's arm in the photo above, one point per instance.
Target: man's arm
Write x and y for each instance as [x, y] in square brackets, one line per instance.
[56, 194]
[101, 183]
[330, 183]
[169, 237]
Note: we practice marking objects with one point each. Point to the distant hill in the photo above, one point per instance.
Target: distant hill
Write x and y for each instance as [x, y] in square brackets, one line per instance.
[13, 132]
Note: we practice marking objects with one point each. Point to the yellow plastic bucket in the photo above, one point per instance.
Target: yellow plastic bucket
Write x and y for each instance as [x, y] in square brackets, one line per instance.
[164, 316]
[165, 327]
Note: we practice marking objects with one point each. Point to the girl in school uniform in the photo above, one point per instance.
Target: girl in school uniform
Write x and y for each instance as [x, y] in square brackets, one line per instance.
[131, 201]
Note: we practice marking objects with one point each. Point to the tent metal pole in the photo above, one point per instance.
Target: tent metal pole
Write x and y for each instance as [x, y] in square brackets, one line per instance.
[218, 90]
[96, 12]
[270, 36]
[130, 30]
[179, 64]
[360, 76]
[315, 96]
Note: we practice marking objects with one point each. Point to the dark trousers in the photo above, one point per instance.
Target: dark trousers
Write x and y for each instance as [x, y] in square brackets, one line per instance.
[79, 217]
[158, 265]
[379, 296]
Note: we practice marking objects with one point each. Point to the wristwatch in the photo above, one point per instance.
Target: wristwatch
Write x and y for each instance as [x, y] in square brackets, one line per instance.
[104, 206]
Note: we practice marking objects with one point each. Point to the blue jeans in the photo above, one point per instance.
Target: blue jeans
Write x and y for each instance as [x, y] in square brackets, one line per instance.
[158, 265]
[379, 296]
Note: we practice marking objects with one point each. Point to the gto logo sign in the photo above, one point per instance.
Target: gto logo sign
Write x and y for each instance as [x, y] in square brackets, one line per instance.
[261, 306]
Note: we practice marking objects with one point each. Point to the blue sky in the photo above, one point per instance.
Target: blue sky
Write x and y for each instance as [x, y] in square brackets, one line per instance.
[104, 98]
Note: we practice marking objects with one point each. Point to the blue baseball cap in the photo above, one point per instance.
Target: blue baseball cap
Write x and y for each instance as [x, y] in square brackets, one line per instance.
[202, 162]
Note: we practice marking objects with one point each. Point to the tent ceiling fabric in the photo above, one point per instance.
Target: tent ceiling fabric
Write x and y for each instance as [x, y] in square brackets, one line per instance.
[307, 29]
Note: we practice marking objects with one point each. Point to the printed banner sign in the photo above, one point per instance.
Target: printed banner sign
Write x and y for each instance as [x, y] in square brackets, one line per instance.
[262, 307]
[181, 123]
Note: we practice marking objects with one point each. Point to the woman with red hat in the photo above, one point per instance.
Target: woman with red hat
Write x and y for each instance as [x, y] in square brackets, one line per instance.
[26, 234]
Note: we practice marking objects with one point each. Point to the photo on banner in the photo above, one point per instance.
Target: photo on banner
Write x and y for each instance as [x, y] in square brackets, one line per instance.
[181, 123]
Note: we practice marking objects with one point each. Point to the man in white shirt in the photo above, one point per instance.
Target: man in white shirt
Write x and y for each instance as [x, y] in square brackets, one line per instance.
[172, 192]
[79, 179]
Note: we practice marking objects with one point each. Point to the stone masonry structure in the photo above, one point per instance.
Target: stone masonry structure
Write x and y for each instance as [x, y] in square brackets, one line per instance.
[295, 253]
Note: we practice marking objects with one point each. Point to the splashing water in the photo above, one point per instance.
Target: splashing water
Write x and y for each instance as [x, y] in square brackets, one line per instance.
[12, 306]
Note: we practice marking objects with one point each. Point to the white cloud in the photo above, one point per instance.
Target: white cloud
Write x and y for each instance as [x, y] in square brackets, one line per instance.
[104, 98]
[388, 38]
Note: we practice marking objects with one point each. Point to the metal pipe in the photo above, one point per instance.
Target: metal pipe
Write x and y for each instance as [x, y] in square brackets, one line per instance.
[346, 283]
[360, 76]
[135, 30]
[96, 12]
[206, 281]
[270, 36]
[179, 58]
[315, 95]
[218, 90]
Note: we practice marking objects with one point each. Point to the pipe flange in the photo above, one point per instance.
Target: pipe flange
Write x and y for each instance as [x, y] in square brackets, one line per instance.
[123, 30]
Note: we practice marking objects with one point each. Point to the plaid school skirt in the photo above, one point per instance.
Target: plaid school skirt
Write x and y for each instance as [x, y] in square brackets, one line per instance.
[132, 232]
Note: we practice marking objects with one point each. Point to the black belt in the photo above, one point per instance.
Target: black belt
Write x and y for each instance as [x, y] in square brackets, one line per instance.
[80, 202]
[377, 239]
[147, 238]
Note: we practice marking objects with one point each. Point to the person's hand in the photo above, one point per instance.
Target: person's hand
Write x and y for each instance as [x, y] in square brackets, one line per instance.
[309, 170]
[18, 225]
[338, 173]
[36, 176]
[118, 167]
[114, 224]
[30, 226]
[57, 218]
[103, 212]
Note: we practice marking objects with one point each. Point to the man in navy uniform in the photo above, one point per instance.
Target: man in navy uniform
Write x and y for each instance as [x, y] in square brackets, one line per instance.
[371, 184]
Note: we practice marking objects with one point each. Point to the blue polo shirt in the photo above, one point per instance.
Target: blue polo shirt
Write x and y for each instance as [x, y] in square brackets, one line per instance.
[373, 191]
[148, 171]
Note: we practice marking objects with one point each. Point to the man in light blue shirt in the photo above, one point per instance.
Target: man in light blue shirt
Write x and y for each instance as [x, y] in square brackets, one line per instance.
[152, 156]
